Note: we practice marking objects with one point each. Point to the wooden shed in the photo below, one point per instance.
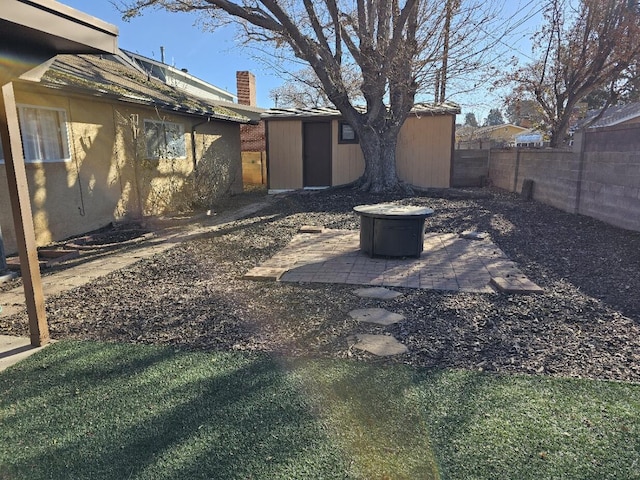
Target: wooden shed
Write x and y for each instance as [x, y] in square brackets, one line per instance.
[315, 147]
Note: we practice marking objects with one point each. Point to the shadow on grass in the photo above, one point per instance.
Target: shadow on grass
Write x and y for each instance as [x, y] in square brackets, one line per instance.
[109, 411]
[114, 411]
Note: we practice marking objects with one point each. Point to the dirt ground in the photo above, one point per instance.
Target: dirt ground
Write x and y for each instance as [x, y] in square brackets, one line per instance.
[586, 324]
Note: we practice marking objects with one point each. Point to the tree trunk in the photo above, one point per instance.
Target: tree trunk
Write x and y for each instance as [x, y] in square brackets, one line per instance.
[559, 132]
[379, 151]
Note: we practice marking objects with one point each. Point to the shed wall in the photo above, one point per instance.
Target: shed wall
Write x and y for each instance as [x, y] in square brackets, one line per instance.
[347, 162]
[423, 154]
[285, 154]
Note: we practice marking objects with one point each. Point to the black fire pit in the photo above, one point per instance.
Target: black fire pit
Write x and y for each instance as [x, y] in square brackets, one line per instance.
[388, 230]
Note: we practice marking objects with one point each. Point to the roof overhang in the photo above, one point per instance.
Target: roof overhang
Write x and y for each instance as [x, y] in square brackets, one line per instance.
[418, 110]
[54, 27]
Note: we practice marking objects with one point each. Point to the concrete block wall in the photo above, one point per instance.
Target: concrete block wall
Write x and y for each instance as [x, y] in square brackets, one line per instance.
[611, 188]
[470, 167]
[601, 181]
[555, 174]
[502, 169]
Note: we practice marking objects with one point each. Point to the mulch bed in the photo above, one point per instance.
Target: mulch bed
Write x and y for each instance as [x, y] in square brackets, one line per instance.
[585, 324]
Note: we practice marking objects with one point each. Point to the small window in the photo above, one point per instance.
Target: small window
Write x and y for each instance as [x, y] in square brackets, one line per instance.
[44, 134]
[164, 140]
[346, 133]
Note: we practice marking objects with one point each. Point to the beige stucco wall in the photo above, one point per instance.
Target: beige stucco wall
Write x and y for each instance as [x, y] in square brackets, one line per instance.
[423, 154]
[108, 177]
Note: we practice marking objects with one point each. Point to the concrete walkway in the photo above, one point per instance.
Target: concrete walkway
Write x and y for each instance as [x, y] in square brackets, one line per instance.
[14, 349]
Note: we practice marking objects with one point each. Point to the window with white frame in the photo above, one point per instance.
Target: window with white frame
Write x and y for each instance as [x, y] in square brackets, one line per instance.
[164, 139]
[44, 134]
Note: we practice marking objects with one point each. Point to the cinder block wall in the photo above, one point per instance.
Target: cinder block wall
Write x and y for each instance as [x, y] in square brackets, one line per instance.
[611, 176]
[502, 169]
[602, 181]
[469, 168]
[555, 176]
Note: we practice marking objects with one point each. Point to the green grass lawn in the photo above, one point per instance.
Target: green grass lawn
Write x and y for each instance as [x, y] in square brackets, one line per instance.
[106, 411]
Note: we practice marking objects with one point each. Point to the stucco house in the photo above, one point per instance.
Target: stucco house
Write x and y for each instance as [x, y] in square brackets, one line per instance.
[492, 136]
[315, 147]
[32, 32]
[104, 141]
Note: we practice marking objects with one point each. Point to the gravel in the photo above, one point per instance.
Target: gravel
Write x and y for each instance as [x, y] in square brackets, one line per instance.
[586, 324]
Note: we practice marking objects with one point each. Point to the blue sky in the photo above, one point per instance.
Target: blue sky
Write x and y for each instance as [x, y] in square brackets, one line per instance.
[211, 56]
[215, 56]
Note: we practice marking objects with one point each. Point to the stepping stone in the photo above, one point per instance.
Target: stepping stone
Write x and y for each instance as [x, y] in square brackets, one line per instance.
[379, 293]
[380, 345]
[472, 235]
[515, 285]
[264, 273]
[311, 229]
[379, 316]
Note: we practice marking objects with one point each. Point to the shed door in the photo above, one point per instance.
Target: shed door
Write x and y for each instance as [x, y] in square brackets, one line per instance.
[317, 154]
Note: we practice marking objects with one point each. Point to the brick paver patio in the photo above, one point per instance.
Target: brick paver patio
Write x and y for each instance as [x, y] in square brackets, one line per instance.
[448, 262]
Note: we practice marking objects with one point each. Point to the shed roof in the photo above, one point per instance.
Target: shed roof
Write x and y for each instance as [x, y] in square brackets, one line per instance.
[115, 77]
[424, 108]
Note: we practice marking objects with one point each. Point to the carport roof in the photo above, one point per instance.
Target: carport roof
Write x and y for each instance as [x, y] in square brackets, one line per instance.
[51, 26]
[423, 108]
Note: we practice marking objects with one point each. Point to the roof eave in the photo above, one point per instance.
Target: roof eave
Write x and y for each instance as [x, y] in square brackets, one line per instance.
[169, 107]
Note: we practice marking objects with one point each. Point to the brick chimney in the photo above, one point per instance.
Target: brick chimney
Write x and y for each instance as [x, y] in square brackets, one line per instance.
[246, 85]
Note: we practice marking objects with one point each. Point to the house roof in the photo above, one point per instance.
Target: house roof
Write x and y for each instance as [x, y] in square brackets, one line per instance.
[613, 115]
[116, 77]
[467, 132]
[493, 128]
[445, 108]
[166, 73]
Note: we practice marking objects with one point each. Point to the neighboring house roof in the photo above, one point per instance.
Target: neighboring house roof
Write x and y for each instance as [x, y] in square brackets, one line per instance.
[418, 109]
[613, 115]
[182, 79]
[175, 77]
[486, 131]
[113, 76]
[467, 132]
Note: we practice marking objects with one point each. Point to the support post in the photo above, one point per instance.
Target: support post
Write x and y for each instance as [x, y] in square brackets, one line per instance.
[22, 216]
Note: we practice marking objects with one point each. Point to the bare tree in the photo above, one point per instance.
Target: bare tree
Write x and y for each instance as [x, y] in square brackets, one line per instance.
[396, 45]
[581, 49]
[524, 113]
[304, 89]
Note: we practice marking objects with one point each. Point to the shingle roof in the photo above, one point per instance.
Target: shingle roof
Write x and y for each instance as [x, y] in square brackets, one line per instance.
[613, 115]
[114, 77]
[424, 108]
